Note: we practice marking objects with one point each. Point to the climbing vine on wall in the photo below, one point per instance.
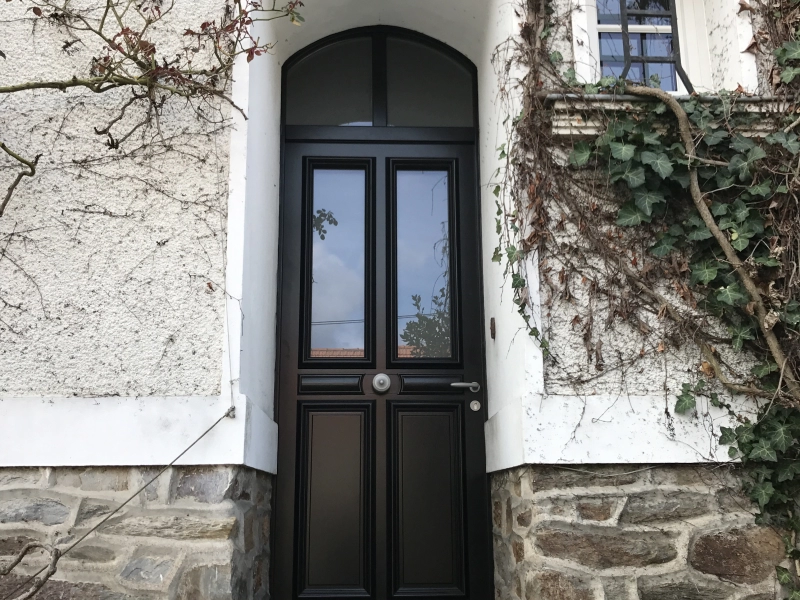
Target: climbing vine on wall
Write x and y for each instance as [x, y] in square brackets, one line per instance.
[685, 211]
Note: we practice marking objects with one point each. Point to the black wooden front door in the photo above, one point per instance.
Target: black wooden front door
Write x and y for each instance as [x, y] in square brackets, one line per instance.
[381, 494]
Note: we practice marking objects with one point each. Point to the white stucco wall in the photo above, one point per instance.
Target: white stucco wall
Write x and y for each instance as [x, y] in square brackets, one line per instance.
[127, 316]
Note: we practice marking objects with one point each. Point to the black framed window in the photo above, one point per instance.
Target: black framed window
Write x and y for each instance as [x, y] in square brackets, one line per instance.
[383, 78]
[639, 40]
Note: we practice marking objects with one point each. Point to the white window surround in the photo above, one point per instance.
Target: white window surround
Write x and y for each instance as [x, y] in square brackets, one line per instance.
[702, 27]
[525, 425]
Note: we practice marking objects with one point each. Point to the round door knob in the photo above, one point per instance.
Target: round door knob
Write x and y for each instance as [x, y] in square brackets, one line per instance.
[381, 383]
[475, 405]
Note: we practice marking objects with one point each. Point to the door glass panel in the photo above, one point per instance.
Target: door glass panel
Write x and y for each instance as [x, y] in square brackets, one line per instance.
[423, 265]
[337, 274]
[426, 88]
[332, 86]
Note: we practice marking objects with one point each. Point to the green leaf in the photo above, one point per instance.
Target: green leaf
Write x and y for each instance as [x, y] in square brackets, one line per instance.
[763, 369]
[686, 401]
[788, 140]
[741, 143]
[704, 271]
[659, 162]
[517, 281]
[762, 493]
[556, 57]
[767, 261]
[784, 576]
[629, 215]
[718, 209]
[745, 434]
[763, 451]
[739, 242]
[622, 151]
[715, 136]
[730, 295]
[733, 452]
[789, 73]
[763, 189]
[663, 246]
[497, 256]
[740, 333]
[647, 199]
[790, 50]
[651, 138]
[781, 438]
[701, 233]
[634, 177]
[761, 473]
[787, 471]
[727, 436]
[739, 211]
[580, 154]
[607, 81]
[660, 108]
[496, 191]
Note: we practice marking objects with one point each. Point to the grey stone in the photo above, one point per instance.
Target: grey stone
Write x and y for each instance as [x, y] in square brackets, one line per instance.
[209, 582]
[741, 555]
[548, 478]
[731, 500]
[184, 527]
[99, 479]
[616, 589]
[659, 507]
[670, 587]
[148, 570]
[761, 597]
[47, 511]
[203, 484]
[20, 477]
[98, 554]
[11, 546]
[605, 548]
[146, 474]
[62, 590]
[683, 475]
[596, 509]
[94, 509]
[555, 585]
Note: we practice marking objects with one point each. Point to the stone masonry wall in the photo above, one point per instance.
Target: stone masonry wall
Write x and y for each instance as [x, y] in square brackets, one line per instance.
[197, 533]
[627, 532]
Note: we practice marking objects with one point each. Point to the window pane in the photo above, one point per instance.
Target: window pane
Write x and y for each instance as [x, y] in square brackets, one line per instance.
[615, 68]
[657, 44]
[337, 286]
[426, 88]
[332, 86]
[650, 6]
[423, 265]
[666, 75]
[608, 12]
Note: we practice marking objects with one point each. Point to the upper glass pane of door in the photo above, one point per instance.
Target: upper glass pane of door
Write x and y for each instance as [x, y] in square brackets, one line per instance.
[425, 87]
[332, 86]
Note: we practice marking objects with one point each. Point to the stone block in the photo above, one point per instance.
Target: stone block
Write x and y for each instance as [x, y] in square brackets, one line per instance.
[732, 500]
[497, 514]
[145, 474]
[549, 478]
[183, 527]
[11, 546]
[202, 484]
[616, 589]
[100, 479]
[62, 590]
[207, 582]
[605, 548]
[20, 477]
[740, 554]
[148, 569]
[683, 475]
[555, 585]
[660, 507]
[47, 511]
[92, 553]
[92, 509]
[681, 587]
[596, 509]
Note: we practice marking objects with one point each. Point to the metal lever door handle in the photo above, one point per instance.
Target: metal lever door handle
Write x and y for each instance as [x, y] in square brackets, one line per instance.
[473, 386]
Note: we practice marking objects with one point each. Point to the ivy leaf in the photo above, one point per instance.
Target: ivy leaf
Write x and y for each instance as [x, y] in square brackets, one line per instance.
[784, 576]
[580, 154]
[790, 50]
[739, 211]
[740, 333]
[663, 246]
[659, 162]
[686, 401]
[787, 471]
[739, 242]
[744, 434]
[762, 493]
[607, 81]
[781, 437]
[651, 138]
[497, 256]
[629, 215]
[704, 272]
[788, 141]
[764, 369]
[789, 73]
[647, 199]
[517, 281]
[763, 189]
[730, 295]
[723, 180]
[681, 178]
[717, 208]
[763, 451]
[701, 233]
[727, 436]
[733, 451]
[634, 177]
[741, 143]
[761, 473]
[622, 151]
[767, 261]
[715, 136]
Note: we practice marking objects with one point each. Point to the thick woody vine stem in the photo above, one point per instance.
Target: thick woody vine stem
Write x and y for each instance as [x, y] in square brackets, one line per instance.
[31, 171]
[685, 132]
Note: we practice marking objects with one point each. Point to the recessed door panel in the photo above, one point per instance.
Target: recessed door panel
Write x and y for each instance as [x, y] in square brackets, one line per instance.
[335, 496]
[428, 556]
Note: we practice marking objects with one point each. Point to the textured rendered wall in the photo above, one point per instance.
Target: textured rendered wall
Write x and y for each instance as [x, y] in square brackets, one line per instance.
[629, 533]
[195, 534]
[110, 282]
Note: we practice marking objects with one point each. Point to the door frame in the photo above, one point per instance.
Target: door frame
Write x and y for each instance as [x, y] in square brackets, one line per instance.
[379, 133]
